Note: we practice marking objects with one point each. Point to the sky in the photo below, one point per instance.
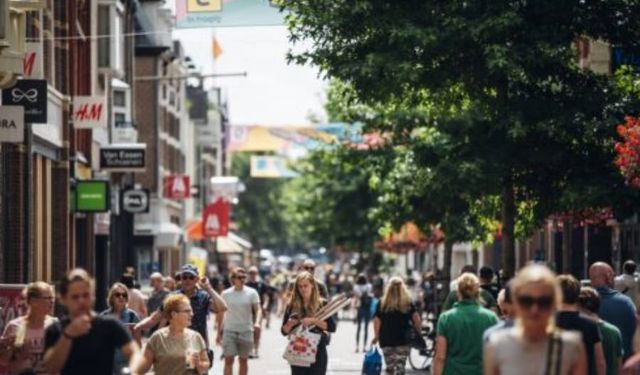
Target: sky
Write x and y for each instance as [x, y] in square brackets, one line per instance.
[273, 93]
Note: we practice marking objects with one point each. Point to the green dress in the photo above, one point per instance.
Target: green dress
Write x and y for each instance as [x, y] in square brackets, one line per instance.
[463, 327]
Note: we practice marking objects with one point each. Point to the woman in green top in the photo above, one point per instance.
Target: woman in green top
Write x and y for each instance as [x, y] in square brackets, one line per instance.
[175, 350]
[459, 339]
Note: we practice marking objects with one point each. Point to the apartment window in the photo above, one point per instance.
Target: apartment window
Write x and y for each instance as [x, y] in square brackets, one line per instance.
[119, 119]
[111, 36]
[119, 98]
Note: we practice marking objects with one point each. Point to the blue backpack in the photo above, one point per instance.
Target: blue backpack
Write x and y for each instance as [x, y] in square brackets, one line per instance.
[372, 364]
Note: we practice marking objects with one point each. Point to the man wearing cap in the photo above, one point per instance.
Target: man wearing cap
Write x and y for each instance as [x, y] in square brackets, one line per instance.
[203, 300]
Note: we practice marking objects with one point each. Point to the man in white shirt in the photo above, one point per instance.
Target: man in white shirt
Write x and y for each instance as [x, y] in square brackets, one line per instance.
[627, 283]
[236, 325]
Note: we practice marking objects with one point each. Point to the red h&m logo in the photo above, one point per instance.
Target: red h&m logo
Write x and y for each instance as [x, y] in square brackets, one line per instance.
[88, 112]
[28, 63]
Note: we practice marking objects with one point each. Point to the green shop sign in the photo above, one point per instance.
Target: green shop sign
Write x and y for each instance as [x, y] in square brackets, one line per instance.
[92, 196]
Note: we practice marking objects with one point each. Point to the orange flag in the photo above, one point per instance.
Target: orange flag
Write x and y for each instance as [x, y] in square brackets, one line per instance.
[217, 50]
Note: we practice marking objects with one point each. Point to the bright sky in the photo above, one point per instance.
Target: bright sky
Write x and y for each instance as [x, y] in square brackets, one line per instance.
[273, 93]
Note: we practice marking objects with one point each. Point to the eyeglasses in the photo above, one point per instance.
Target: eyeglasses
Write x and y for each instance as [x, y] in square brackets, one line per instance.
[77, 297]
[188, 276]
[47, 298]
[527, 302]
[188, 311]
[121, 295]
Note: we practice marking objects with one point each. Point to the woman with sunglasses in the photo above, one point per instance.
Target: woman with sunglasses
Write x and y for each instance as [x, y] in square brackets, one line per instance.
[26, 333]
[175, 349]
[534, 345]
[117, 300]
[460, 330]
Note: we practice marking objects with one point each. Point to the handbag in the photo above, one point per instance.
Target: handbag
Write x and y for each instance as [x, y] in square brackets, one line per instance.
[553, 364]
[372, 364]
[302, 347]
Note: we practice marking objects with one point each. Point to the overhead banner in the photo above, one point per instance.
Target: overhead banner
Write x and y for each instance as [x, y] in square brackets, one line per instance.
[270, 167]
[123, 158]
[30, 94]
[227, 13]
[11, 124]
[89, 112]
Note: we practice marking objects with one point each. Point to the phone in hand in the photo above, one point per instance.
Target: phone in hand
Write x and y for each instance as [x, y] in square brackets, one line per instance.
[294, 316]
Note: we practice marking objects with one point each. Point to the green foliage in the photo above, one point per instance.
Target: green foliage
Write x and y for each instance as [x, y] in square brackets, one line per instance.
[259, 212]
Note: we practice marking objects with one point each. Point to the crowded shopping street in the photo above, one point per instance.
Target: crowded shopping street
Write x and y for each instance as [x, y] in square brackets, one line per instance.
[319, 187]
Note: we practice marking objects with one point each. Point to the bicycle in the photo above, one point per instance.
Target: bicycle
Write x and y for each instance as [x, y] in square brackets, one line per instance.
[422, 359]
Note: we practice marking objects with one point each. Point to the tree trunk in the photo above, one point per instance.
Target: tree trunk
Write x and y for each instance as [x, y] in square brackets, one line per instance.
[567, 234]
[508, 229]
[446, 268]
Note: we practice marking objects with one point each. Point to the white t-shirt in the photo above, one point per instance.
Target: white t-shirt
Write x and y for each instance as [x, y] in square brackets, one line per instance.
[239, 316]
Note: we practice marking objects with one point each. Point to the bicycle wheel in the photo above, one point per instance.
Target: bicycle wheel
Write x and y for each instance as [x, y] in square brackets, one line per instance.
[420, 359]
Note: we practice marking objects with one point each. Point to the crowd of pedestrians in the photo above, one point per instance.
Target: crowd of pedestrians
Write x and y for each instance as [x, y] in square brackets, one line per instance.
[537, 323]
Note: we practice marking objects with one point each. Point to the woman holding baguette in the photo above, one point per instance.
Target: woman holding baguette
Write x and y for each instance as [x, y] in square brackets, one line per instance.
[302, 309]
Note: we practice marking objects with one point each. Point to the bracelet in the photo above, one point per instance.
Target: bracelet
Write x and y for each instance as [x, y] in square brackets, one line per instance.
[65, 334]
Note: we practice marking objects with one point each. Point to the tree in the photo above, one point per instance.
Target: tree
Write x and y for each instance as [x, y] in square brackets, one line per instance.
[530, 121]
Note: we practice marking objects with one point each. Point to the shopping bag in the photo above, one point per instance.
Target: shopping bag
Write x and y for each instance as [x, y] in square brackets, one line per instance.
[372, 364]
[302, 348]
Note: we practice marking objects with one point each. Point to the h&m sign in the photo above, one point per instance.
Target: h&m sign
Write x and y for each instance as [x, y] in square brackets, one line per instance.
[89, 112]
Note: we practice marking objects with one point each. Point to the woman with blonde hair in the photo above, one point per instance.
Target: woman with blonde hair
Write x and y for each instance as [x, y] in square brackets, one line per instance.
[534, 341]
[460, 330]
[395, 316]
[304, 304]
[26, 333]
[175, 349]
[117, 300]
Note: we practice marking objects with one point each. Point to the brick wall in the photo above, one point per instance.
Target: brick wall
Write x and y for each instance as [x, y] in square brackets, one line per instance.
[14, 215]
[146, 102]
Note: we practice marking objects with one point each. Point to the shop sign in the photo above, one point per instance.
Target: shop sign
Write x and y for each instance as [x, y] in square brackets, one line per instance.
[30, 94]
[123, 157]
[215, 219]
[89, 112]
[11, 124]
[177, 187]
[32, 62]
[135, 201]
[92, 196]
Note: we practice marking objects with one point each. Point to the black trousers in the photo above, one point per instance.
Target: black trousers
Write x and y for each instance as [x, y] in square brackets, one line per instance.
[318, 368]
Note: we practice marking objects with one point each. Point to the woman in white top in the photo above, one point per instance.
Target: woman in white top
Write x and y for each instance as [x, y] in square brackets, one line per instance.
[534, 346]
[26, 333]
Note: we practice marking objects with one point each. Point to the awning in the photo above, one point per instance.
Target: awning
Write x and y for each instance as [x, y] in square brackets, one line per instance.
[166, 234]
[230, 244]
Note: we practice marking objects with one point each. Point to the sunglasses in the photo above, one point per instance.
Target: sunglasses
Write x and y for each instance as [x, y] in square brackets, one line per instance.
[121, 295]
[309, 268]
[527, 302]
[243, 277]
[188, 276]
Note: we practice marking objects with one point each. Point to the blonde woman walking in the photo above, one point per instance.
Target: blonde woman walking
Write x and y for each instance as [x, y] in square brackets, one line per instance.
[534, 346]
[460, 330]
[393, 319]
[26, 333]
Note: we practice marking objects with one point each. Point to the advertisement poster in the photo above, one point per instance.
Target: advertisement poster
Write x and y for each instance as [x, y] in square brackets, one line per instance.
[12, 305]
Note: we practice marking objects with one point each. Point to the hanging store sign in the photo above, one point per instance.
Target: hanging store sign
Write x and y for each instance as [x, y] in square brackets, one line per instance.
[11, 124]
[32, 62]
[30, 94]
[123, 158]
[215, 219]
[89, 112]
[92, 196]
[177, 187]
[135, 201]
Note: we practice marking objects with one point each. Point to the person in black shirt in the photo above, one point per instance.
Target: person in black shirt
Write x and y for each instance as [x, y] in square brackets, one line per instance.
[486, 281]
[262, 290]
[85, 343]
[570, 319]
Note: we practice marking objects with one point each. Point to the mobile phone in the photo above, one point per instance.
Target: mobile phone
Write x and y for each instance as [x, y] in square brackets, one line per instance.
[294, 316]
